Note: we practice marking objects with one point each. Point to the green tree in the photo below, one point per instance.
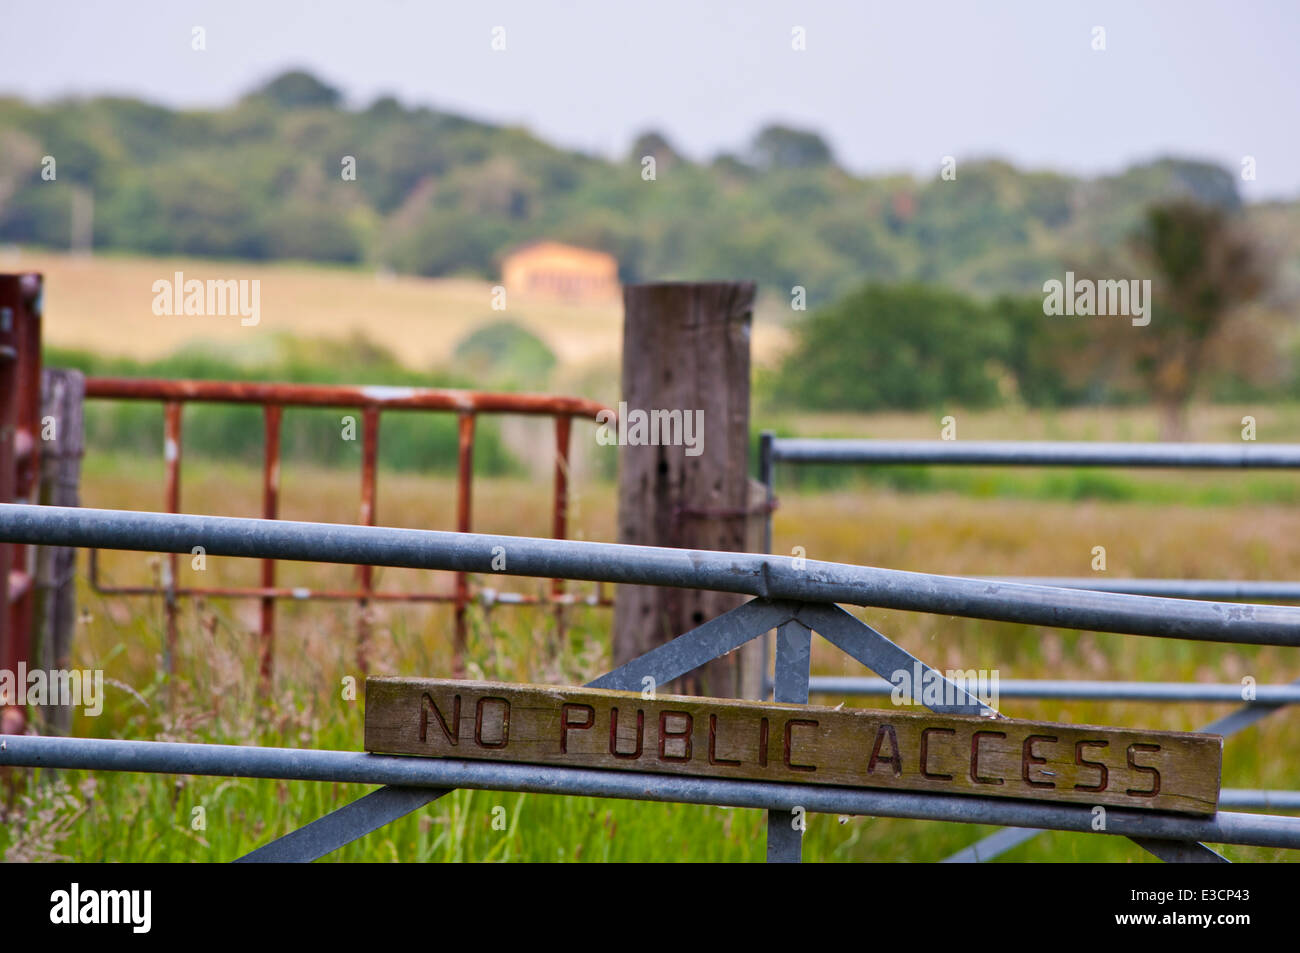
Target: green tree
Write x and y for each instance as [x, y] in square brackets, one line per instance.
[1042, 354]
[504, 355]
[298, 89]
[781, 147]
[907, 346]
[656, 144]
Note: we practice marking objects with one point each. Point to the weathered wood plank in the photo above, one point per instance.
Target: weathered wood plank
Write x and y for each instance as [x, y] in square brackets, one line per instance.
[673, 734]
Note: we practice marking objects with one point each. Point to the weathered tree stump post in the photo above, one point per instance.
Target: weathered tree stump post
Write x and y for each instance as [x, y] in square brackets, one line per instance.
[684, 462]
[63, 394]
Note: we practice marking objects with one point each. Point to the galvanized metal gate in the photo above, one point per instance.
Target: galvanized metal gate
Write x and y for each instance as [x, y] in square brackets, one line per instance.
[1220, 456]
[795, 599]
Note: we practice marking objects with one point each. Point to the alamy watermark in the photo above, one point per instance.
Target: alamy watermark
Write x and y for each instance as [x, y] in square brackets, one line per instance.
[72, 687]
[652, 428]
[228, 296]
[133, 908]
[931, 687]
[1126, 298]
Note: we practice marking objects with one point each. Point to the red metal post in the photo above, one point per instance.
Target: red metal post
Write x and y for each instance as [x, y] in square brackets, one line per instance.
[172, 493]
[20, 408]
[560, 515]
[369, 458]
[270, 511]
[464, 499]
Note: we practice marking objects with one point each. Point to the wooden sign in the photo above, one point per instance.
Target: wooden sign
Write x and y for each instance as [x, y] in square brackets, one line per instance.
[673, 734]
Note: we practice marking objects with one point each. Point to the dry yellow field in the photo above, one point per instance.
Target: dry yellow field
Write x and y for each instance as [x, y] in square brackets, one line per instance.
[105, 305]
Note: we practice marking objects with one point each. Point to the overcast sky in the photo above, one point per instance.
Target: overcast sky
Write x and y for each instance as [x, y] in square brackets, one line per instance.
[891, 85]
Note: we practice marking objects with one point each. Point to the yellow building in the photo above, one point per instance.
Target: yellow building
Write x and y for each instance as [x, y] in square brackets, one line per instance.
[555, 270]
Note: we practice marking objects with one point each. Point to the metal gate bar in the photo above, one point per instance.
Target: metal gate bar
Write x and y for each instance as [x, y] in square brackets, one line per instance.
[101, 754]
[790, 684]
[1031, 453]
[769, 577]
[1220, 693]
[1225, 589]
[1038, 453]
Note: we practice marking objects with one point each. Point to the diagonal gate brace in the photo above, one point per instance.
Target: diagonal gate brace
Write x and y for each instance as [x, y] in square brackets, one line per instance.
[883, 657]
[795, 623]
[688, 651]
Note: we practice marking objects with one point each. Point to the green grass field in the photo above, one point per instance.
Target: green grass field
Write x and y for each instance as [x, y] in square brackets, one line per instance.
[1153, 525]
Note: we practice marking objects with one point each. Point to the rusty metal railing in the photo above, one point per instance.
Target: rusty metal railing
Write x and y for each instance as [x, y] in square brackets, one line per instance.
[20, 412]
[370, 401]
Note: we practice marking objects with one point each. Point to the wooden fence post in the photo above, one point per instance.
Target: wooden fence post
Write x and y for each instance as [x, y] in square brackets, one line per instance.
[684, 462]
[63, 393]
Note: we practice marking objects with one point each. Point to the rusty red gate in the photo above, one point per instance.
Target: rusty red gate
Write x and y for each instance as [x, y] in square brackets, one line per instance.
[20, 410]
[370, 401]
